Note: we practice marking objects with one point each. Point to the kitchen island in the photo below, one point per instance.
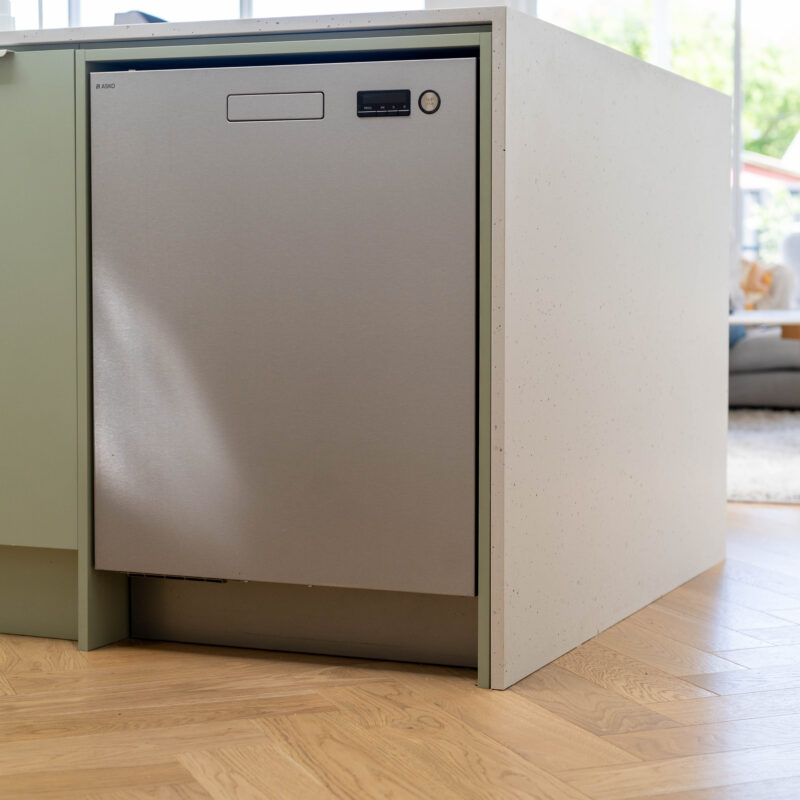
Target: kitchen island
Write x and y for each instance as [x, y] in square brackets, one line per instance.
[601, 192]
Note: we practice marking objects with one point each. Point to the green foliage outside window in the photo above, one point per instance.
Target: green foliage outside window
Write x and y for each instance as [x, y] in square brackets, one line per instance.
[771, 112]
[702, 51]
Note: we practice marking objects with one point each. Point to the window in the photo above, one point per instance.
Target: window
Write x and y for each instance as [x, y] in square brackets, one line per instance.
[298, 8]
[770, 177]
[32, 14]
[101, 12]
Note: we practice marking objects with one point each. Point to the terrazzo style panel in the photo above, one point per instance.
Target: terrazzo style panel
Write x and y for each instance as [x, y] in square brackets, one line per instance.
[614, 340]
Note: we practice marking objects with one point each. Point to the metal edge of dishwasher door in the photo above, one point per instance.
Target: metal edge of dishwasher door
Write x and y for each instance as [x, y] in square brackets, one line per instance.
[284, 323]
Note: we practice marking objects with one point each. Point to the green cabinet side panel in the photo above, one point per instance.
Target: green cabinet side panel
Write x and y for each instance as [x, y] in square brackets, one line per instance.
[38, 407]
[39, 592]
[484, 362]
[102, 596]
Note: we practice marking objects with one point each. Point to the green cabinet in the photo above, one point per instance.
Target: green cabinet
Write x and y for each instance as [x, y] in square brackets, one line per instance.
[38, 387]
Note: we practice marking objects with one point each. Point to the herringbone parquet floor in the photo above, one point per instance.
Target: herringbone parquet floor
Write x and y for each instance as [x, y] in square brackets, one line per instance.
[696, 697]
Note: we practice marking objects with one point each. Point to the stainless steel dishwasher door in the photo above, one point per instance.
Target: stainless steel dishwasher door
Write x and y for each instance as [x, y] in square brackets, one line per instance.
[284, 323]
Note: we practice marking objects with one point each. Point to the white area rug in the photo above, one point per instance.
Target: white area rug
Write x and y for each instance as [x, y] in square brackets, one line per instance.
[764, 456]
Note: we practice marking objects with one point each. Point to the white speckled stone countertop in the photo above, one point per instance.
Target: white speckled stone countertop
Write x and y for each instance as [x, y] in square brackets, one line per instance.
[250, 27]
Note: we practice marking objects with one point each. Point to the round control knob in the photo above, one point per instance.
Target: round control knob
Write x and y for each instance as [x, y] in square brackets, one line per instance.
[429, 102]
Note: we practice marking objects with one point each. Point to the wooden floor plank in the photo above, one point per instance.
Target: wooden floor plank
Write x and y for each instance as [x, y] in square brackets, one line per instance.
[511, 719]
[705, 605]
[128, 675]
[720, 708]
[465, 759]
[700, 633]
[778, 655]
[716, 737]
[202, 683]
[177, 791]
[780, 789]
[8, 656]
[627, 677]
[690, 773]
[790, 634]
[252, 772]
[171, 691]
[662, 652]
[749, 680]
[165, 715]
[745, 572]
[481, 772]
[36, 654]
[77, 784]
[351, 762]
[758, 598]
[586, 704]
[759, 553]
[6, 689]
[121, 749]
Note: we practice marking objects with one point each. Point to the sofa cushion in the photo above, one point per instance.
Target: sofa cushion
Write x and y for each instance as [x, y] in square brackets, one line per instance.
[772, 389]
[765, 351]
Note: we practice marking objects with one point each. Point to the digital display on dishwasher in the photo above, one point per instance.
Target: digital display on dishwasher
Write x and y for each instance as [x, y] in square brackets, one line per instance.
[384, 103]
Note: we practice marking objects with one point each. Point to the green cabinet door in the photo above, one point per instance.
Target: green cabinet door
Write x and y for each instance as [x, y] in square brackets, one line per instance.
[38, 406]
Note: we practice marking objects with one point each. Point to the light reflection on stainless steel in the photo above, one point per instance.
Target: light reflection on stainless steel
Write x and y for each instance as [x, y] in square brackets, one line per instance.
[142, 358]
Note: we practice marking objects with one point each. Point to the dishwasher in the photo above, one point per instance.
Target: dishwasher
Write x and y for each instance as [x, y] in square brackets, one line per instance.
[284, 289]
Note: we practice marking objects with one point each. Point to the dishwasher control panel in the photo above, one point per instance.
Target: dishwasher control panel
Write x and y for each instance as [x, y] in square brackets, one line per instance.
[384, 103]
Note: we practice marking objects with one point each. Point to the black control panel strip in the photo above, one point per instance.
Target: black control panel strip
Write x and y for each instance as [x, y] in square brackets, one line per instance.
[384, 103]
